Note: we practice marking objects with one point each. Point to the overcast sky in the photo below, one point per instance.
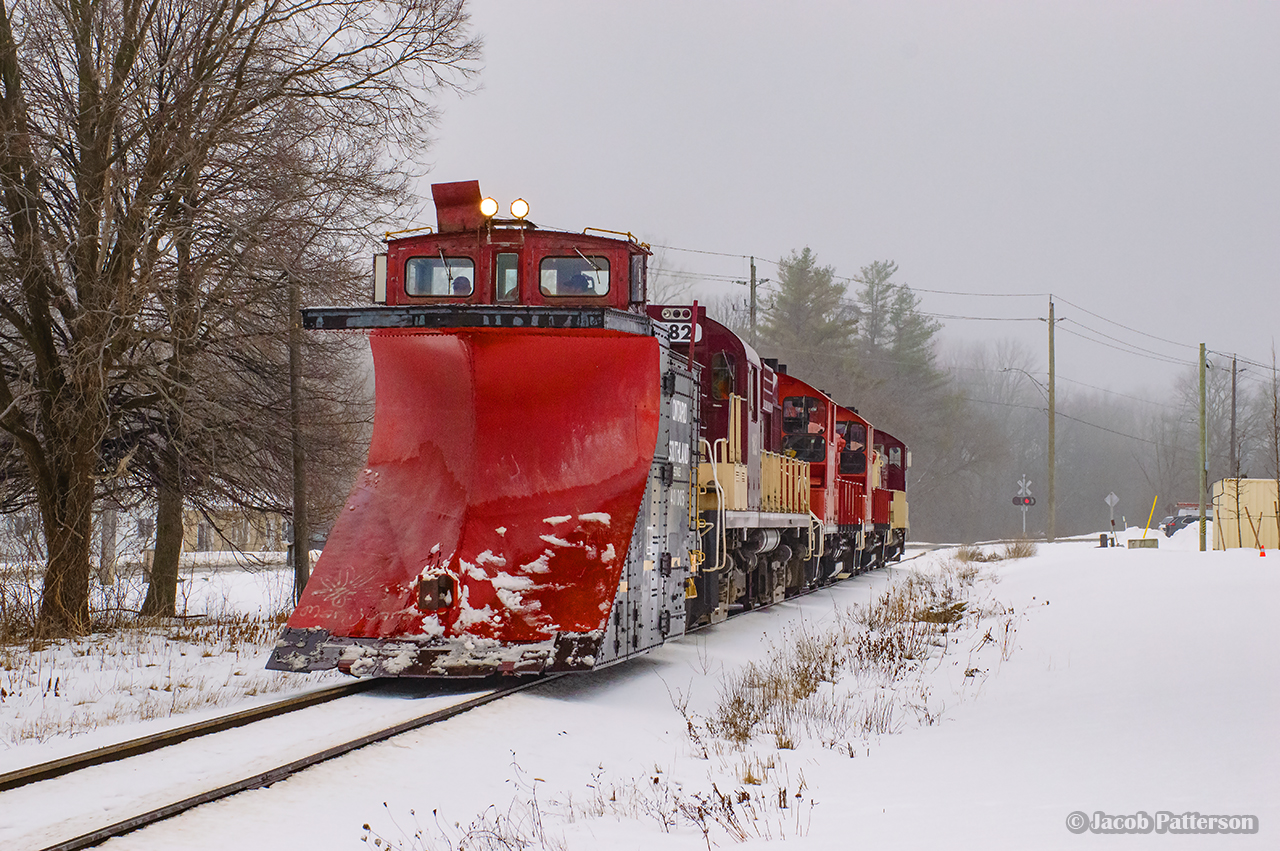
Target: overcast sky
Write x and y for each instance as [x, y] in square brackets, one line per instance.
[1121, 155]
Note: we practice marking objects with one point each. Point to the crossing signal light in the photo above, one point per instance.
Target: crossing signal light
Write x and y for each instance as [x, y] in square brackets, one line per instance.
[1024, 500]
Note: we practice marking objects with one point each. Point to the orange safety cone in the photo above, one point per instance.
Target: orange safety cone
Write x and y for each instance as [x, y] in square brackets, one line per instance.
[1262, 551]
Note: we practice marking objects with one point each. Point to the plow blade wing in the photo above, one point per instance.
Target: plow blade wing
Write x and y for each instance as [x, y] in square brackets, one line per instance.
[492, 520]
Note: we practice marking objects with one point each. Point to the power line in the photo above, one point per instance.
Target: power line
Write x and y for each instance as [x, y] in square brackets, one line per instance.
[846, 278]
[1121, 345]
[1109, 430]
[980, 318]
[1122, 325]
[1044, 411]
[712, 253]
[1128, 351]
[1116, 393]
[1118, 340]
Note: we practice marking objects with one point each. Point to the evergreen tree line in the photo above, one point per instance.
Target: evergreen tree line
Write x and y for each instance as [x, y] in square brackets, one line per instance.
[976, 416]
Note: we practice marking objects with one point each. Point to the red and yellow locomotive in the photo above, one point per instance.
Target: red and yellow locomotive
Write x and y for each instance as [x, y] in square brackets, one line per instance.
[562, 475]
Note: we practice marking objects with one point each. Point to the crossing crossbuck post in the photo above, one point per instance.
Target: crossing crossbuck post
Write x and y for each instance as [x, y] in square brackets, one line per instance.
[1024, 500]
[1112, 501]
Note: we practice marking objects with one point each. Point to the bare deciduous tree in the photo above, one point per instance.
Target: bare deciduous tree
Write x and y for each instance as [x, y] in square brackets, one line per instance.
[112, 117]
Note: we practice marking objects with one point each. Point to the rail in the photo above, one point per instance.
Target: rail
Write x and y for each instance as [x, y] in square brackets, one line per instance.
[266, 778]
[147, 744]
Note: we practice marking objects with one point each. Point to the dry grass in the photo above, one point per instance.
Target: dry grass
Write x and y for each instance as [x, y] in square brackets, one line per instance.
[767, 805]
[1020, 549]
[971, 552]
[849, 680]
[68, 687]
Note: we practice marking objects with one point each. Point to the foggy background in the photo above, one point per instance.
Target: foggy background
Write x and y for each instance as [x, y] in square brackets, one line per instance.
[1120, 156]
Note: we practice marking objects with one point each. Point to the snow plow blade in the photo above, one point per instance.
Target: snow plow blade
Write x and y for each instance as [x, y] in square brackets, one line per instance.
[489, 528]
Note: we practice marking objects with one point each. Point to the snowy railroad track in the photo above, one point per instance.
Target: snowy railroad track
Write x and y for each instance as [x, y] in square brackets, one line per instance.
[146, 744]
[68, 812]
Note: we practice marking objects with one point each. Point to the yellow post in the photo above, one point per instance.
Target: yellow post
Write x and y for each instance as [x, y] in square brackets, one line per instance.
[1153, 514]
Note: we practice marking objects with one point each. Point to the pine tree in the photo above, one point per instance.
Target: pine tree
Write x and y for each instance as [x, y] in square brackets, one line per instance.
[892, 332]
[809, 323]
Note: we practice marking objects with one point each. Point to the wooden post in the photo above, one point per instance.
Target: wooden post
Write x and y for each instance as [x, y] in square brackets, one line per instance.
[1204, 461]
[1052, 527]
[301, 530]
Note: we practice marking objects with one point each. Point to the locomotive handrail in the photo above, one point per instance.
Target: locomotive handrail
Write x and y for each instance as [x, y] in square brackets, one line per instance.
[628, 234]
[715, 479]
[386, 237]
[822, 540]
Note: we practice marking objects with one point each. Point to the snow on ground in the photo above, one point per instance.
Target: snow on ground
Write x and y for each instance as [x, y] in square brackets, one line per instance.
[1114, 680]
[67, 696]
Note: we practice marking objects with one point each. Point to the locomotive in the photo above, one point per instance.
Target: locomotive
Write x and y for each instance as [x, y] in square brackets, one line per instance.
[562, 475]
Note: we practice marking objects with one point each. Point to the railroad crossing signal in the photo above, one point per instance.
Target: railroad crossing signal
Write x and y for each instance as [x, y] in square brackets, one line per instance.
[1024, 500]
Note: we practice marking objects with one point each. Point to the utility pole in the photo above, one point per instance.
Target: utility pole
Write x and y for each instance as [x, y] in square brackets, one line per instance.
[301, 531]
[1204, 460]
[1234, 461]
[1052, 530]
[753, 302]
[1235, 454]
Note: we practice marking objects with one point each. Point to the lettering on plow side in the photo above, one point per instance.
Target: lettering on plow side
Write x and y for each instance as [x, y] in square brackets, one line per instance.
[678, 451]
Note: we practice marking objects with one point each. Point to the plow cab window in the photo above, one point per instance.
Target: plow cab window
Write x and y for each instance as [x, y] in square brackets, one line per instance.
[440, 276]
[574, 276]
[506, 277]
[639, 270]
[803, 415]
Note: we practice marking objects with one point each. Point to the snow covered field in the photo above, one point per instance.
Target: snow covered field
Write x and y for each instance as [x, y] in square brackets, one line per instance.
[1080, 679]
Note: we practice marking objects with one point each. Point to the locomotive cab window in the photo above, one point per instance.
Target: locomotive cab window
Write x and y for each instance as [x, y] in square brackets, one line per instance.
[805, 447]
[440, 276]
[506, 277]
[803, 415]
[721, 375]
[853, 448]
[895, 457]
[578, 276]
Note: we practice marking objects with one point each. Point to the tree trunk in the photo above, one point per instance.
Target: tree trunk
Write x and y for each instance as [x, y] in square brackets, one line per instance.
[162, 591]
[67, 512]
